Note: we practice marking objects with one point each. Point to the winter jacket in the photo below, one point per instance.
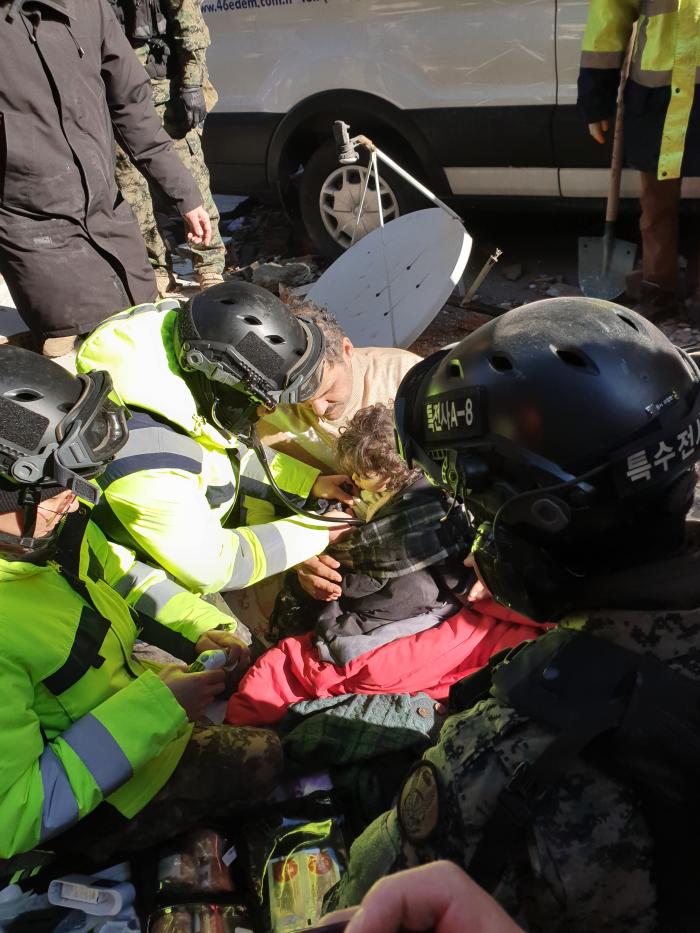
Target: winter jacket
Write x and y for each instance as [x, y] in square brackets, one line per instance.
[374, 610]
[430, 661]
[171, 490]
[662, 111]
[81, 720]
[70, 247]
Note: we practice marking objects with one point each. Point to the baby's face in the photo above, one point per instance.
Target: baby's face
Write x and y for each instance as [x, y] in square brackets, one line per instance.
[372, 482]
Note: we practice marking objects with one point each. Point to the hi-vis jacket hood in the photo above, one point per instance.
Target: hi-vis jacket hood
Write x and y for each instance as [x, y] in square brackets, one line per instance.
[139, 351]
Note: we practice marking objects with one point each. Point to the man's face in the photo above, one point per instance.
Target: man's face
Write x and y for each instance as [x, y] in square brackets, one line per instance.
[333, 395]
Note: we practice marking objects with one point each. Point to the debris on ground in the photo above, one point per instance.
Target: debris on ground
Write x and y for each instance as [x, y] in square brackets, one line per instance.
[292, 273]
[262, 233]
[563, 290]
[265, 247]
[449, 326]
[512, 273]
[680, 333]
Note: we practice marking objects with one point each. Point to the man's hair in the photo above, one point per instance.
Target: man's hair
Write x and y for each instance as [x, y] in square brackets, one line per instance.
[328, 325]
[366, 446]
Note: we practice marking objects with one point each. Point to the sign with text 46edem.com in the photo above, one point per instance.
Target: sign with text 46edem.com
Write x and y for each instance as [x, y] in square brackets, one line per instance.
[228, 6]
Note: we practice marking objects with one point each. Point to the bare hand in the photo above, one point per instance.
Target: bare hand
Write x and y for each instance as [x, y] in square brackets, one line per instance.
[198, 226]
[235, 644]
[438, 897]
[337, 530]
[194, 692]
[319, 577]
[330, 487]
[598, 130]
[478, 591]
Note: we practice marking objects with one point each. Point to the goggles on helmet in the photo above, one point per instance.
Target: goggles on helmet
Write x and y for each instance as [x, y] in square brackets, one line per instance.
[221, 363]
[88, 437]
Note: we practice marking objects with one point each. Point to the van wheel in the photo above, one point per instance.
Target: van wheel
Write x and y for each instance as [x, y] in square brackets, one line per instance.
[330, 194]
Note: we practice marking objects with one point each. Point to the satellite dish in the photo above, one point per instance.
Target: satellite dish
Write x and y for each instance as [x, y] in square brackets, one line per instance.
[389, 286]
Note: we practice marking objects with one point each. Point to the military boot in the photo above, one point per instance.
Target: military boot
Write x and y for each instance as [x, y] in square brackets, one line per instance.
[165, 282]
[57, 346]
[655, 303]
[207, 279]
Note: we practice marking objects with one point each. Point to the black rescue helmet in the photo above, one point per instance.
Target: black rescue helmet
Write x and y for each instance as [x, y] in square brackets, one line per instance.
[549, 413]
[57, 431]
[56, 428]
[241, 337]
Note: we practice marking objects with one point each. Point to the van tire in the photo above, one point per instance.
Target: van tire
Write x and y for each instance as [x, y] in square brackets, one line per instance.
[321, 167]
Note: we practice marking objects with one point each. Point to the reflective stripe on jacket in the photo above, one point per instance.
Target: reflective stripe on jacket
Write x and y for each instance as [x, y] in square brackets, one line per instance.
[174, 484]
[665, 56]
[80, 719]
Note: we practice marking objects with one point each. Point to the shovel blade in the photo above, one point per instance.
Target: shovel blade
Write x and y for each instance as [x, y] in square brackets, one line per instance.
[595, 281]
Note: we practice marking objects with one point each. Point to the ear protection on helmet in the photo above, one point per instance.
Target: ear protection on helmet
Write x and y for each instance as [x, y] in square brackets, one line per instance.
[525, 577]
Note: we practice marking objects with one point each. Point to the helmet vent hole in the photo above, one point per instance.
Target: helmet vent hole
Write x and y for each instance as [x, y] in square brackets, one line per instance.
[629, 322]
[275, 338]
[573, 358]
[249, 319]
[298, 352]
[501, 363]
[455, 370]
[24, 395]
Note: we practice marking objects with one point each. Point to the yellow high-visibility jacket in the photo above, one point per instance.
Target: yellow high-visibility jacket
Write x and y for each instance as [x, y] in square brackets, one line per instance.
[664, 61]
[81, 720]
[170, 492]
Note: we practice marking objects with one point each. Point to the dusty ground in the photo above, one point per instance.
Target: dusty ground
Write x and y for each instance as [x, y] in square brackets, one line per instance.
[539, 260]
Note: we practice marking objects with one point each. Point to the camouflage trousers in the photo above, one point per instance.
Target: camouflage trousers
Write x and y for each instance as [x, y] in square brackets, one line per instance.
[206, 260]
[223, 771]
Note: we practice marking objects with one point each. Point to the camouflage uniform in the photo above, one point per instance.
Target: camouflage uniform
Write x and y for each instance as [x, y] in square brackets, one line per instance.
[224, 769]
[188, 40]
[589, 851]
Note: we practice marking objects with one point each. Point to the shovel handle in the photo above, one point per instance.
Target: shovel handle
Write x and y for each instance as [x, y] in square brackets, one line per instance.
[618, 136]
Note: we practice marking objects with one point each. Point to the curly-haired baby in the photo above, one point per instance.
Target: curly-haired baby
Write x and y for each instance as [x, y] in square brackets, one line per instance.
[403, 569]
[366, 450]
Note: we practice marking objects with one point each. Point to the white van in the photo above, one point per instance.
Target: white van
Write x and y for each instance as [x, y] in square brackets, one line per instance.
[477, 97]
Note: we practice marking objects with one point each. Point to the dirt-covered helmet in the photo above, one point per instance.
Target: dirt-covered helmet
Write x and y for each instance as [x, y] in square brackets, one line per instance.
[249, 350]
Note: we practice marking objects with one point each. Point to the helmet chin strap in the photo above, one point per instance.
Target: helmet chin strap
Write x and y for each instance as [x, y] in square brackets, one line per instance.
[24, 546]
[246, 416]
[28, 549]
[29, 499]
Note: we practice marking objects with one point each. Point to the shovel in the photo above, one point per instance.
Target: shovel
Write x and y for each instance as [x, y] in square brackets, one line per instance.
[604, 262]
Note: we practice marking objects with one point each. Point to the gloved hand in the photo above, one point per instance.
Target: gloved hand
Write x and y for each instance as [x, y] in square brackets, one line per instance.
[192, 97]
